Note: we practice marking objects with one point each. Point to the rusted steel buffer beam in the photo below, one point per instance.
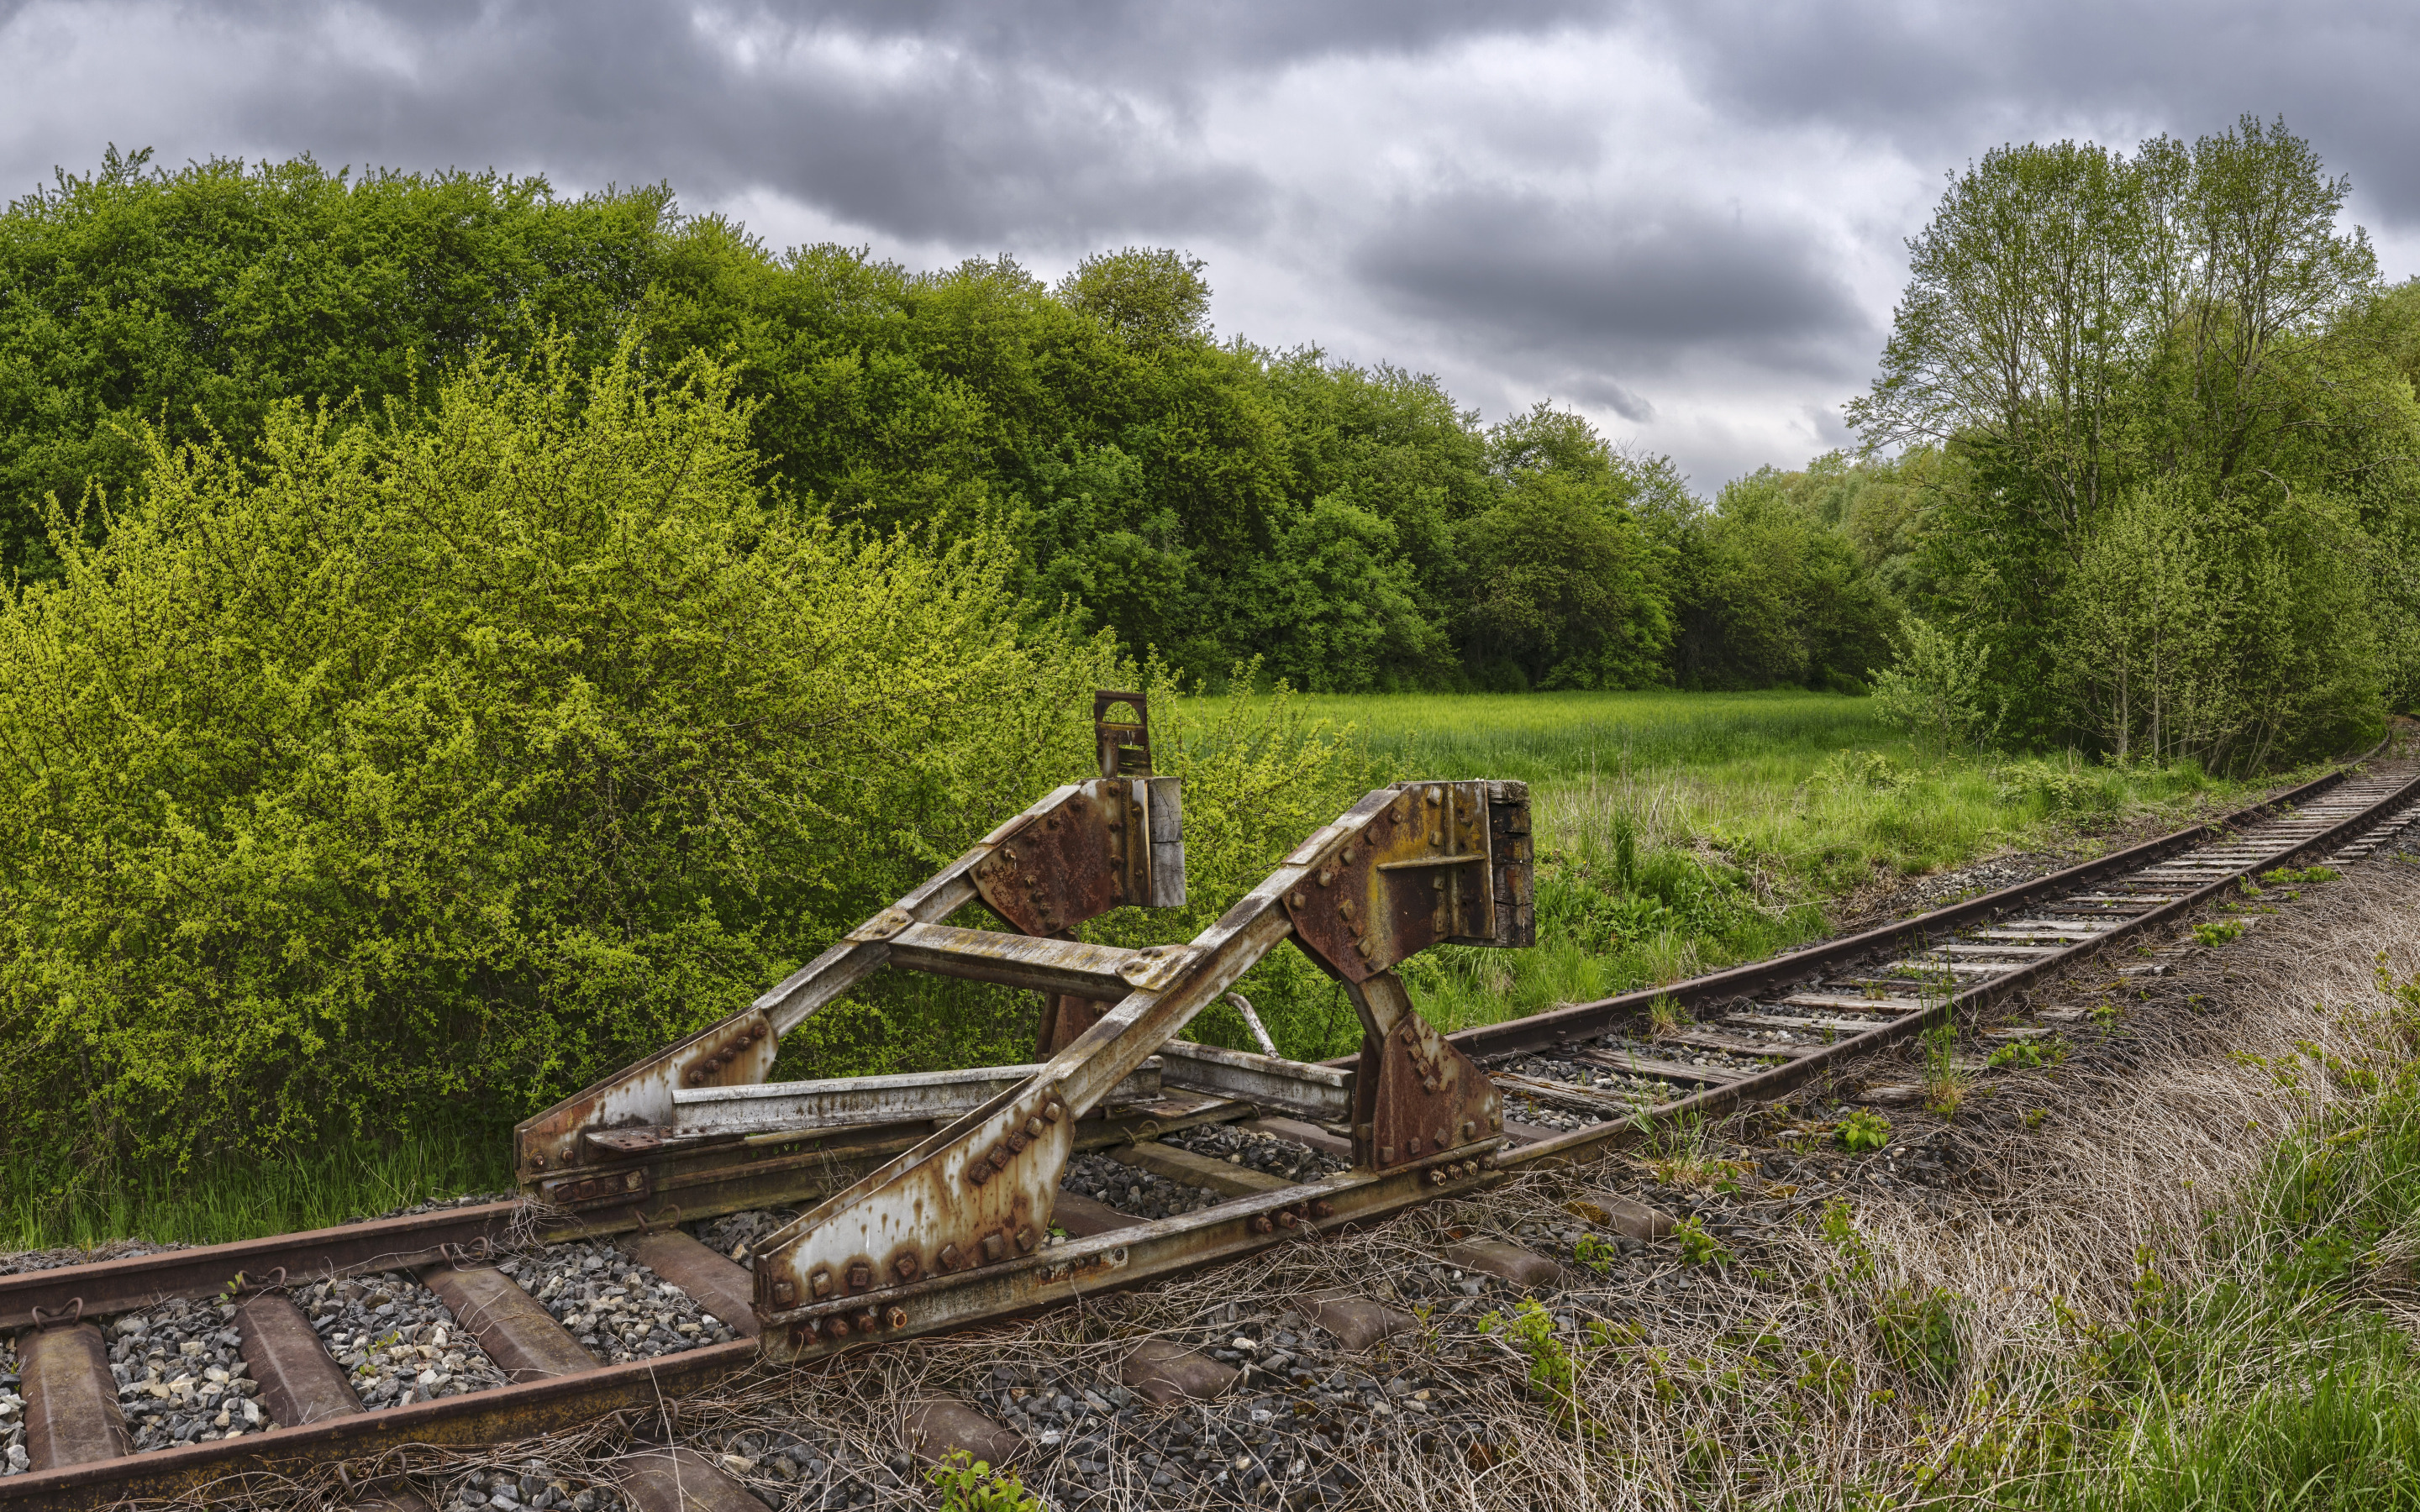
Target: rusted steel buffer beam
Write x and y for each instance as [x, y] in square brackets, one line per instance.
[953, 1229]
[937, 1191]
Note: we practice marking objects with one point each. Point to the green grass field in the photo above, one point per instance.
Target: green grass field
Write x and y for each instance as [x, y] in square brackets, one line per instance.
[1682, 832]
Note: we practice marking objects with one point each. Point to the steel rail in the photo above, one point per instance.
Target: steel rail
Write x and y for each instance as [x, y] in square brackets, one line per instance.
[1112, 1260]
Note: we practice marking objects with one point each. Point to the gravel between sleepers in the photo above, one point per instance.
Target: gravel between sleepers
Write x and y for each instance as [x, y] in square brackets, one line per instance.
[1132, 1191]
[536, 1486]
[180, 1377]
[737, 1234]
[1263, 1153]
[617, 1308]
[398, 1343]
[13, 1413]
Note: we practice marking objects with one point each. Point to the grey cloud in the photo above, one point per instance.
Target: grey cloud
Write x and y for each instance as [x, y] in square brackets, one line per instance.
[1627, 290]
[981, 123]
[1945, 84]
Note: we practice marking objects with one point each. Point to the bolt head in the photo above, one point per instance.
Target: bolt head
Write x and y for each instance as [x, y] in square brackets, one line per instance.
[896, 1318]
[861, 1276]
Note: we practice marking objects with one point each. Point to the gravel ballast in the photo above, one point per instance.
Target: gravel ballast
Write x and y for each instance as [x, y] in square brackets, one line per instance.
[396, 1342]
[1255, 1150]
[13, 1413]
[736, 1235]
[618, 1309]
[1132, 1191]
[181, 1378]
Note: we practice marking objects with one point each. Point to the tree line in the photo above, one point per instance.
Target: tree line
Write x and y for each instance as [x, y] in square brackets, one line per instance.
[2169, 404]
[1206, 501]
[2138, 476]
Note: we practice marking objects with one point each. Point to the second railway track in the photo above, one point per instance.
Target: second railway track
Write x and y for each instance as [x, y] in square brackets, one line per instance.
[484, 1324]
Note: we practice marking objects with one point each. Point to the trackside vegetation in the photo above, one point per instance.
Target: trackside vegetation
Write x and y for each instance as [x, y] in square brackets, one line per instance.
[457, 635]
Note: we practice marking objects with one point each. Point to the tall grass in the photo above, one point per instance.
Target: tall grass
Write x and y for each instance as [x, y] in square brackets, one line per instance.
[2288, 1377]
[227, 1198]
[1678, 833]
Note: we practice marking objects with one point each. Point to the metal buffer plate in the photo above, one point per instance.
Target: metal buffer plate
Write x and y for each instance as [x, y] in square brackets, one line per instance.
[1423, 869]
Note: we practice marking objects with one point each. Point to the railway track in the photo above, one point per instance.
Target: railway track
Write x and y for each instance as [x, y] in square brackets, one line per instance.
[931, 1203]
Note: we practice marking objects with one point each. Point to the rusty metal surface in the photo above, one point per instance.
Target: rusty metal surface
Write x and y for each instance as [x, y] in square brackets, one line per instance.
[71, 1415]
[1509, 849]
[1123, 744]
[1413, 873]
[1129, 1255]
[721, 1285]
[980, 1196]
[299, 1383]
[1060, 867]
[1321, 1093]
[111, 1287]
[222, 1473]
[738, 1050]
[1044, 963]
[524, 1340]
[858, 1101]
[1415, 1094]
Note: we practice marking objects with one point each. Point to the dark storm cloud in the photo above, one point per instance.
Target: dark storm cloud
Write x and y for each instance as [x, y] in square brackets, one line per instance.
[1619, 291]
[934, 121]
[1946, 83]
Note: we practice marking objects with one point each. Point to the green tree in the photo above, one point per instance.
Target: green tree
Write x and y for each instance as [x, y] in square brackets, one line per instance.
[2092, 341]
[199, 299]
[1149, 296]
[1560, 582]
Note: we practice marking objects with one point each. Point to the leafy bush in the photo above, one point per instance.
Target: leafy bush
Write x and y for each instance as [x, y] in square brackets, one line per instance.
[445, 764]
[1935, 689]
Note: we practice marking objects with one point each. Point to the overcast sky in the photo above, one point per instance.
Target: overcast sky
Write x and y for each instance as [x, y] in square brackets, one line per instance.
[1685, 220]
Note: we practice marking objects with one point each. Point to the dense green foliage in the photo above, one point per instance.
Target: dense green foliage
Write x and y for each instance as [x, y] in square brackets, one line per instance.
[1350, 527]
[403, 766]
[2175, 451]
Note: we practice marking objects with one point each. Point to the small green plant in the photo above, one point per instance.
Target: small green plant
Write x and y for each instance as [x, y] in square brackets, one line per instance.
[2308, 875]
[2218, 931]
[1944, 1088]
[1916, 1328]
[1697, 1248]
[1663, 1016]
[1595, 1254]
[1862, 1131]
[967, 1485]
[2030, 1054]
[1531, 1329]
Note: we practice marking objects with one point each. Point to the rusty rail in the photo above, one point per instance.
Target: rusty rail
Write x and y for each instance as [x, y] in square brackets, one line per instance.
[931, 1202]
